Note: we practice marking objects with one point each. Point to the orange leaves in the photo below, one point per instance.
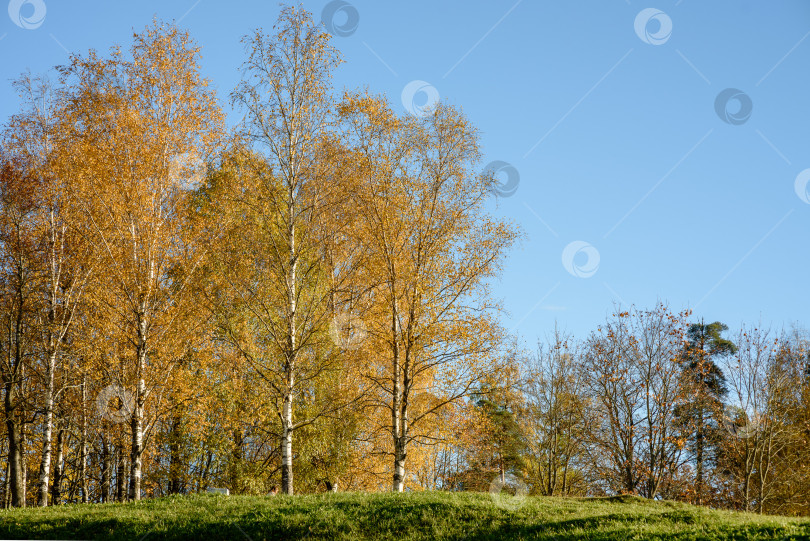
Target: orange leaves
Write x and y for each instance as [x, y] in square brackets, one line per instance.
[125, 123]
[429, 248]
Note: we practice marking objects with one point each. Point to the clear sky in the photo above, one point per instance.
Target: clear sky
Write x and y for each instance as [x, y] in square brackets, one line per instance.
[641, 177]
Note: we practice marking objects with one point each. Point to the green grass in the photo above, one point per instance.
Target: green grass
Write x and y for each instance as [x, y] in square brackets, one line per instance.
[431, 515]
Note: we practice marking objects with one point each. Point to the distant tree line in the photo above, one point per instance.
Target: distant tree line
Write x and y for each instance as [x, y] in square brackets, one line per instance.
[653, 405]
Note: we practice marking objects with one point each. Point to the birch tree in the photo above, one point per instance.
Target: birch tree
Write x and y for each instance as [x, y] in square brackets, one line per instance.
[432, 251]
[287, 288]
[18, 305]
[139, 124]
[63, 259]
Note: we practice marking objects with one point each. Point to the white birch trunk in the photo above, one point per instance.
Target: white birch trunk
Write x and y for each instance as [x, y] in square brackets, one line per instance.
[286, 447]
[83, 446]
[287, 413]
[47, 437]
[137, 419]
[137, 445]
[397, 420]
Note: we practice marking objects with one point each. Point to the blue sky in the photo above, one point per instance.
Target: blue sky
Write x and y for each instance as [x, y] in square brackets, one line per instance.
[606, 110]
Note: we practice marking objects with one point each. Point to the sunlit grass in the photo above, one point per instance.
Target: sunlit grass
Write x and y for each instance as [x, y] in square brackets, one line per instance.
[431, 515]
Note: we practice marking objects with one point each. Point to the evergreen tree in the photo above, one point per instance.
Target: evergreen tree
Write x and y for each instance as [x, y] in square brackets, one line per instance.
[506, 438]
[705, 387]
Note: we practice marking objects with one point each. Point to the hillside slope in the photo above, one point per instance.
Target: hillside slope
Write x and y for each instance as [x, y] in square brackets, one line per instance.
[433, 515]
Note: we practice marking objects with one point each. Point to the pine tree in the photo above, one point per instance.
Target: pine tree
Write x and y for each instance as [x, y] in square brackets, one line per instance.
[706, 389]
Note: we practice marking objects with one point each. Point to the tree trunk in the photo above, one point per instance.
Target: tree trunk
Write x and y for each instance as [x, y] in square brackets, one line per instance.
[135, 455]
[564, 491]
[236, 460]
[747, 493]
[699, 459]
[292, 338]
[58, 468]
[204, 473]
[137, 416]
[397, 421]
[47, 437]
[24, 462]
[105, 470]
[71, 483]
[629, 474]
[175, 465]
[286, 447]
[399, 464]
[120, 475]
[401, 451]
[15, 460]
[83, 446]
[7, 487]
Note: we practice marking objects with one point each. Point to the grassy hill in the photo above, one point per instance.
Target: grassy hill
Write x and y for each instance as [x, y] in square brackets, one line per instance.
[432, 515]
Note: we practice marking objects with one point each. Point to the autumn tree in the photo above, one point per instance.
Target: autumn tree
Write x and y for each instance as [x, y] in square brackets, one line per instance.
[792, 490]
[553, 416]
[18, 304]
[63, 261]
[764, 393]
[287, 290]
[631, 368]
[614, 389]
[136, 125]
[660, 336]
[432, 250]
